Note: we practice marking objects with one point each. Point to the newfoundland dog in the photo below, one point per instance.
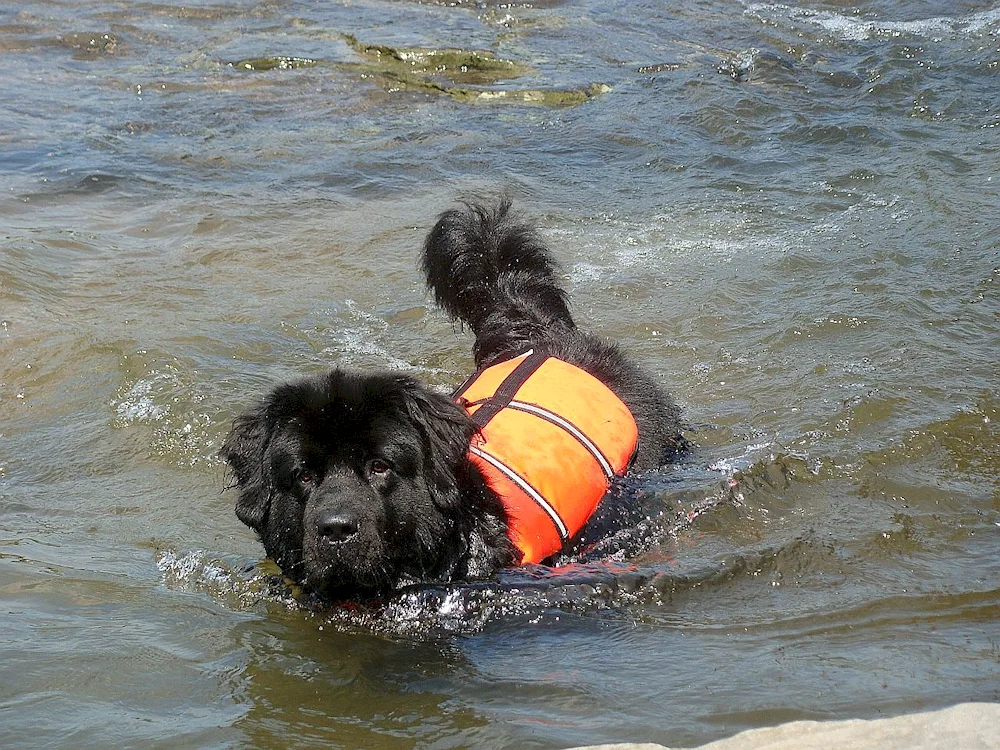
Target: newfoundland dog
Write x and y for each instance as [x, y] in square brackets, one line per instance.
[359, 483]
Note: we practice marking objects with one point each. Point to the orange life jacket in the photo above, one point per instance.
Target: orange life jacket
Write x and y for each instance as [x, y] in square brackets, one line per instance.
[551, 438]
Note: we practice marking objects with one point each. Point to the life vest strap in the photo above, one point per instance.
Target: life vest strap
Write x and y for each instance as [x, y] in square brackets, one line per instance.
[506, 391]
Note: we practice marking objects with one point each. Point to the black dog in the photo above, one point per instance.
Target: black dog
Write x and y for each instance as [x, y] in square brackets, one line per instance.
[359, 483]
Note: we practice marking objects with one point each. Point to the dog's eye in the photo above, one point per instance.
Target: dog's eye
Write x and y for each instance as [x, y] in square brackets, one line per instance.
[377, 467]
[304, 476]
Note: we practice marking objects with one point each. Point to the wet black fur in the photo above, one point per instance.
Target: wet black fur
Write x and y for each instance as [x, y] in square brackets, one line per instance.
[358, 483]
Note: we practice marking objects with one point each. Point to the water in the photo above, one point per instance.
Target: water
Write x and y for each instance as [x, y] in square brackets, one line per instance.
[788, 211]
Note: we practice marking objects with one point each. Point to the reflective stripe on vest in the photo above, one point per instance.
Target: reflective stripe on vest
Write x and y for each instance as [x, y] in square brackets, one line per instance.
[552, 437]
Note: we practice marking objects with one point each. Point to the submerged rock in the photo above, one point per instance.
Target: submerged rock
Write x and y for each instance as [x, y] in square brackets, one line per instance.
[435, 71]
[458, 65]
[278, 62]
[90, 43]
[546, 97]
[660, 68]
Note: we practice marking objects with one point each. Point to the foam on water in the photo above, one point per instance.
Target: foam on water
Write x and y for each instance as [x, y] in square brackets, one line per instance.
[859, 29]
[626, 243]
[365, 339]
[136, 405]
[161, 392]
[358, 341]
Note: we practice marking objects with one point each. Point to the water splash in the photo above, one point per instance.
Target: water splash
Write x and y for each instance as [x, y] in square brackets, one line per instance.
[632, 560]
[240, 586]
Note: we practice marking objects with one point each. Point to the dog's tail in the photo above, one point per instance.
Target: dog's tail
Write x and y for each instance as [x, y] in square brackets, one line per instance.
[493, 272]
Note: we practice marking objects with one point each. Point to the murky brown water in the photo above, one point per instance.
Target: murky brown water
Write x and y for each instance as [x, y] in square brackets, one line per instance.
[790, 213]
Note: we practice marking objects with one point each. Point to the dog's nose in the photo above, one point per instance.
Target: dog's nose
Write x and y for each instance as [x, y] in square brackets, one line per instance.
[337, 527]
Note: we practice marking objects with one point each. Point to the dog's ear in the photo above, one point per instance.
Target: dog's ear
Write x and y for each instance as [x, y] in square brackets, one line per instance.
[244, 449]
[446, 431]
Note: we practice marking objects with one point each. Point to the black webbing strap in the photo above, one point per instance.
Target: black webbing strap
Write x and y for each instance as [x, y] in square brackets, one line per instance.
[456, 395]
[507, 390]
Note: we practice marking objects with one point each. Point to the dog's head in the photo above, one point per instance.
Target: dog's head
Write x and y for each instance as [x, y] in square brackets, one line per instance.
[353, 481]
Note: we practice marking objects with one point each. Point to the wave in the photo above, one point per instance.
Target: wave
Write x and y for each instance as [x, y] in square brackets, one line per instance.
[852, 28]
